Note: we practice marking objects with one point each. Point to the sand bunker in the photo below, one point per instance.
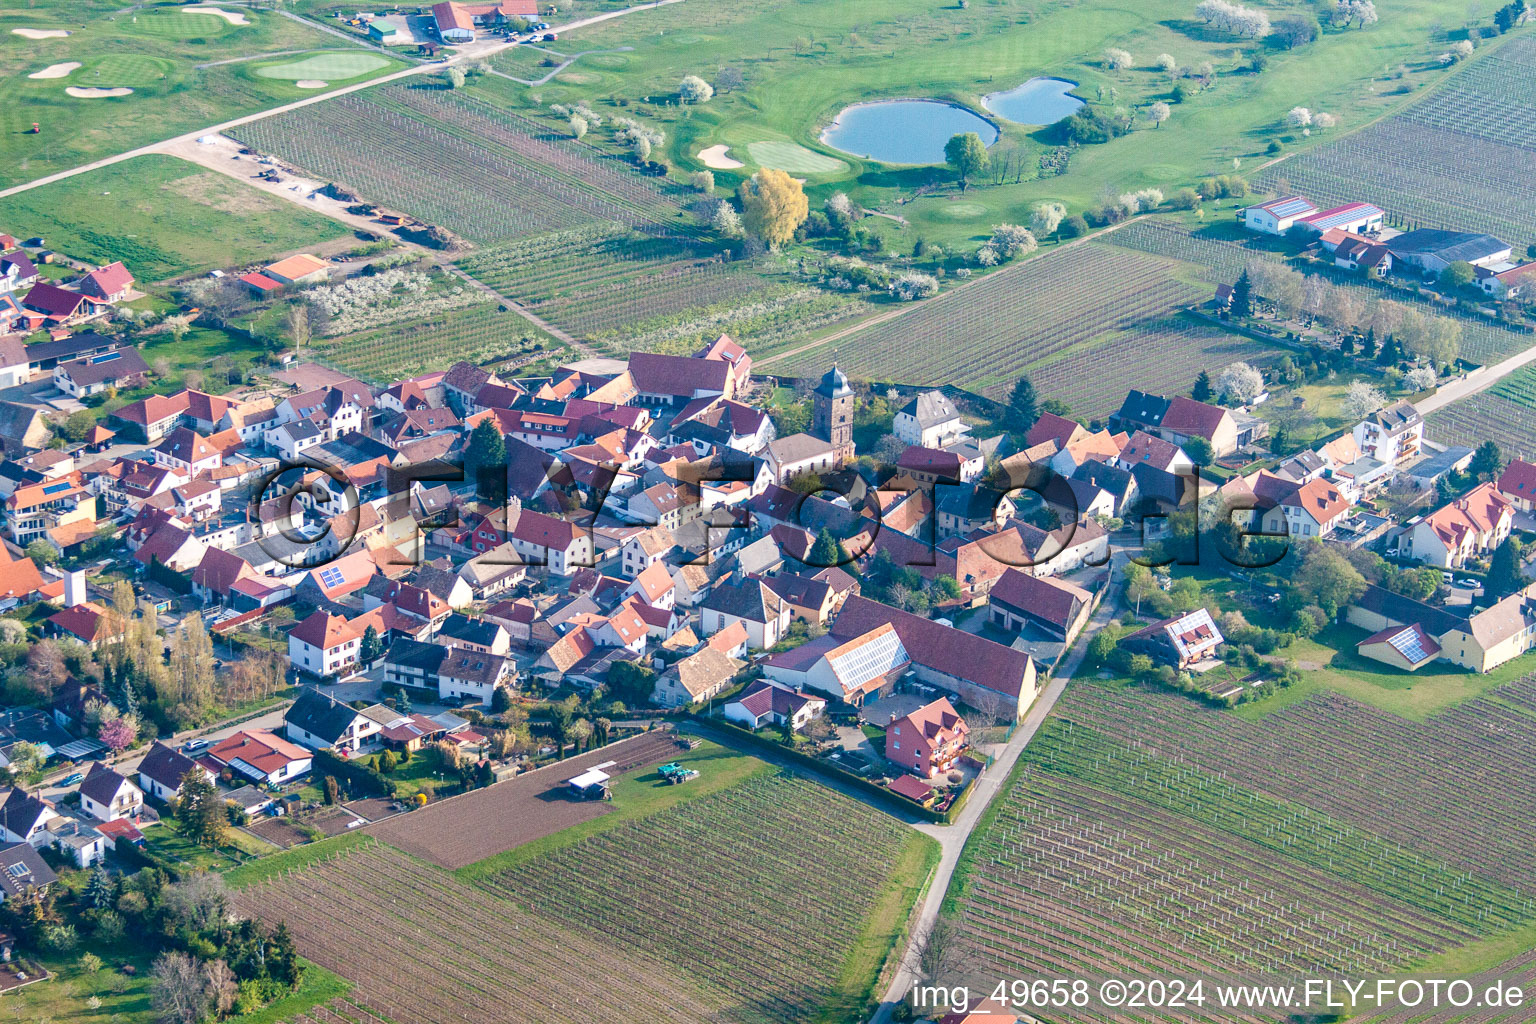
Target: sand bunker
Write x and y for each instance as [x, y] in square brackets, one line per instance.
[715, 157]
[39, 33]
[56, 70]
[233, 17]
[311, 83]
[92, 93]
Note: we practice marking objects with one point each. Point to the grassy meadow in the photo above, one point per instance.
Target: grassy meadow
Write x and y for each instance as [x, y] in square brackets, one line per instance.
[170, 58]
[803, 62]
[163, 217]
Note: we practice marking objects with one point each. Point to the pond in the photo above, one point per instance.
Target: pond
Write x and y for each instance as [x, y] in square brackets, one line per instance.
[1037, 101]
[903, 131]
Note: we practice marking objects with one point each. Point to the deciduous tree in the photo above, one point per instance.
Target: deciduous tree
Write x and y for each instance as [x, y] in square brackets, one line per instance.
[773, 206]
[966, 155]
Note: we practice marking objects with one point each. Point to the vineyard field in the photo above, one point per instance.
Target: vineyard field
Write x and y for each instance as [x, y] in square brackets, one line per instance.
[1427, 785]
[478, 333]
[1220, 250]
[1457, 159]
[1162, 356]
[420, 946]
[627, 290]
[1079, 318]
[482, 172]
[1119, 856]
[1505, 414]
[774, 878]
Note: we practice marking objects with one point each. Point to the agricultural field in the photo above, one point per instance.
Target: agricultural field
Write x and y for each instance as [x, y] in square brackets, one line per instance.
[493, 820]
[465, 953]
[482, 173]
[563, 933]
[1221, 250]
[1456, 159]
[1067, 316]
[1505, 413]
[1425, 785]
[478, 332]
[1130, 851]
[628, 290]
[767, 899]
[164, 217]
[187, 69]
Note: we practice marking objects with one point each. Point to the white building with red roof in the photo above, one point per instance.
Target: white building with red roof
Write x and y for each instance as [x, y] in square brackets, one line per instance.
[261, 757]
[1472, 525]
[1276, 216]
[1518, 484]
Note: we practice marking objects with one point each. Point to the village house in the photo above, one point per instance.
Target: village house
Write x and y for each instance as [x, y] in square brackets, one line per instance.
[91, 375]
[111, 283]
[258, 756]
[1469, 527]
[751, 602]
[321, 722]
[699, 677]
[765, 703]
[1180, 641]
[1022, 600]
[163, 770]
[1479, 641]
[929, 421]
[928, 741]
[1311, 509]
[107, 796]
[1390, 434]
[1518, 483]
[473, 675]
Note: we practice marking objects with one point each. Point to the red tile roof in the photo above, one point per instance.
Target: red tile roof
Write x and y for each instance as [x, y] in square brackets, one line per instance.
[107, 281]
[1187, 416]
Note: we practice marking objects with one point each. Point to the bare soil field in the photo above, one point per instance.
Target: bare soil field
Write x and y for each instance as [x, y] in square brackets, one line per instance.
[462, 830]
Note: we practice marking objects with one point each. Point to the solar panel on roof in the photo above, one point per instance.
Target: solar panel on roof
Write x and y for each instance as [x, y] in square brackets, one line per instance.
[1409, 644]
[105, 358]
[331, 577]
[1291, 207]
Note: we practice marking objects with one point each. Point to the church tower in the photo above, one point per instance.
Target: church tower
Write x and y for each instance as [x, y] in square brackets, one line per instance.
[832, 412]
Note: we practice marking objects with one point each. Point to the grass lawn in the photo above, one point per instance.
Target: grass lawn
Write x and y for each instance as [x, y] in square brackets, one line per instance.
[163, 217]
[883, 929]
[64, 996]
[803, 62]
[167, 840]
[1329, 662]
[330, 67]
[636, 795]
[1465, 961]
[260, 870]
[169, 57]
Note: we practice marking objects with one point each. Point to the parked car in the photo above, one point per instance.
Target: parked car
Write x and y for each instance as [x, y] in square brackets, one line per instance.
[1469, 584]
[192, 745]
[72, 780]
[1449, 579]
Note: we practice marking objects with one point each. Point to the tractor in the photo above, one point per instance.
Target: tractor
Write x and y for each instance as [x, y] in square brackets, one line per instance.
[676, 774]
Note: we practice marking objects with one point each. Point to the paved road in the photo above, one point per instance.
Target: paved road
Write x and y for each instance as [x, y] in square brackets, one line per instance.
[129, 764]
[952, 838]
[1472, 383]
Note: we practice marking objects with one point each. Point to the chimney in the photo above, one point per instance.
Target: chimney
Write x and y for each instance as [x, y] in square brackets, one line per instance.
[74, 588]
